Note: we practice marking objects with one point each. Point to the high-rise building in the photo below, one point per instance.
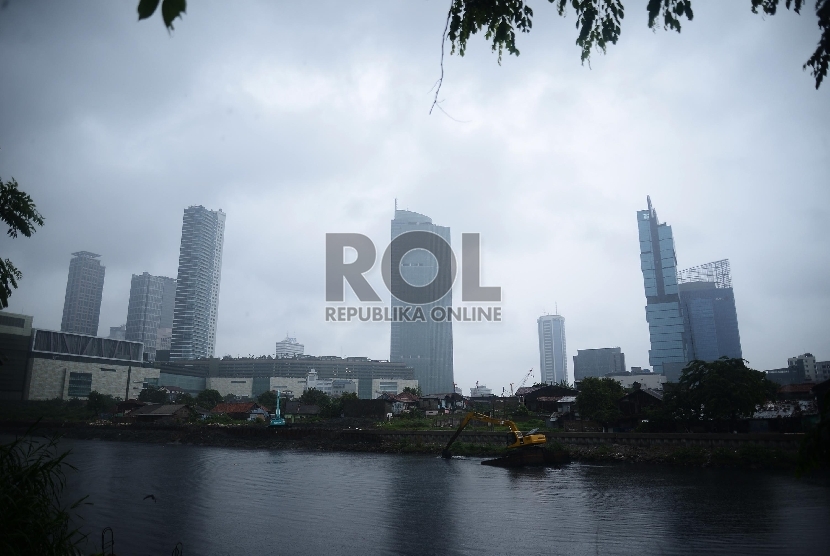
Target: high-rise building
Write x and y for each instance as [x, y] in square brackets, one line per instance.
[147, 308]
[426, 346]
[553, 351]
[118, 332]
[84, 287]
[289, 347]
[709, 314]
[806, 363]
[196, 307]
[598, 362]
[658, 262]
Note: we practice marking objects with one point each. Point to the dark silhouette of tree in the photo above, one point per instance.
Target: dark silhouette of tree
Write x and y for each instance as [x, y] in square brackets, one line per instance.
[208, 398]
[17, 210]
[99, 403]
[151, 394]
[597, 399]
[721, 390]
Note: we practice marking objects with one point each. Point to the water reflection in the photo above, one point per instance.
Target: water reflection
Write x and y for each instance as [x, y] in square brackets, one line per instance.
[223, 501]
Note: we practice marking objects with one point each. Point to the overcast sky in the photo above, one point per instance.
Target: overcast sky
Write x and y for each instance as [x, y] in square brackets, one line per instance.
[300, 119]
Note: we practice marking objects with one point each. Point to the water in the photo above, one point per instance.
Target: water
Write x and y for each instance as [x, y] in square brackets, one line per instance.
[225, 501]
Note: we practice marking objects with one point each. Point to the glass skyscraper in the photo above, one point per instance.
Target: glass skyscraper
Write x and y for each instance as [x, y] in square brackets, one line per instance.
[196, 307]
[424, 346]
[553, 350]
[709, 312]
[658, 262]
[151, 304]
[84, 288]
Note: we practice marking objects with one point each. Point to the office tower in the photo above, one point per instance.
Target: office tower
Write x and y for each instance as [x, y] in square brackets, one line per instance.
[598, 362]
[146, 306]
[425, 346]
[710, 318]
[289, 347]
[118, 332]
[806, 365]
[663, 313]
[553, 352]
[196, 307]
[84, 287]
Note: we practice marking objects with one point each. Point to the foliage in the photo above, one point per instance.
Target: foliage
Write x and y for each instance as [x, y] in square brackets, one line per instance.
[208, 398]
[414, 391]
[599, 23]
[814, 452]
[47, 410]
[99, 403]
[267, 399]
[18, 211]
[33, 519]
[313, 396]
[185, 398]
[718, 390]
[229, 398]
[597, 399]
[170, 10]
[521, 411]
[152, 394]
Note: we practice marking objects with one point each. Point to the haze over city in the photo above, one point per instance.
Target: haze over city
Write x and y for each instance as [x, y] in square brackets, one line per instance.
[297, 126]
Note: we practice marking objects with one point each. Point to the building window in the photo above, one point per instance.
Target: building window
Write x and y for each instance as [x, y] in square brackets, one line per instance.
[80, 385]
[6, 320]
[107, 370]
[238, 381]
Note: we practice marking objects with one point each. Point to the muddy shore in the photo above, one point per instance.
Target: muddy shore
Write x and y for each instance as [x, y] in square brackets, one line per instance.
[359, 437]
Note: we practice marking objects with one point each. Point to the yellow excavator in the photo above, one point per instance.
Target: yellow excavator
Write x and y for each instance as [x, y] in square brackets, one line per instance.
[524, 450]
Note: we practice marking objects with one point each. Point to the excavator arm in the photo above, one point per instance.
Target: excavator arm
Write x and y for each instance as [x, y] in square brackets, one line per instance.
[522, 440]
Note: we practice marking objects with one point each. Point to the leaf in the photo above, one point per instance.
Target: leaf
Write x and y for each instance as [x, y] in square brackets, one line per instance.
[171, 9]
[146, 8]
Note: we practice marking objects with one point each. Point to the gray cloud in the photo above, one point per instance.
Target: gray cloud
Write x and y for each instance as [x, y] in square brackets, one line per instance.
[299, 120]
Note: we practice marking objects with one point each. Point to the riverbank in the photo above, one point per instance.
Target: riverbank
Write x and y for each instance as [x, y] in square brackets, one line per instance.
[685, 450]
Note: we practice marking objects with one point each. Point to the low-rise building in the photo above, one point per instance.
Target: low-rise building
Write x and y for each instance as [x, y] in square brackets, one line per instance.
[65, 365]
[645, 379]
[162, 414]
[241, 411]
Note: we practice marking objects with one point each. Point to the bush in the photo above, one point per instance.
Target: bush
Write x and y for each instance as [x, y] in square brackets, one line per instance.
[33, 518]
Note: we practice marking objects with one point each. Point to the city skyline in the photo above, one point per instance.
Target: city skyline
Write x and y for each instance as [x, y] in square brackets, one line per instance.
[548, 160]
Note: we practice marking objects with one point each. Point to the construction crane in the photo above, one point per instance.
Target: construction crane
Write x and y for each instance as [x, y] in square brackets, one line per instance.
[522, 383]
[277, 420]
[524, 450]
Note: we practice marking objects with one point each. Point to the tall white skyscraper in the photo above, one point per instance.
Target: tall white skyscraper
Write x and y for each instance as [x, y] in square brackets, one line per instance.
[553, 356]
[196, 309]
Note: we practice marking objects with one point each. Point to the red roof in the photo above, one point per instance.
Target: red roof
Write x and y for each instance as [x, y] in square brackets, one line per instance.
[235, 407]
[797, 388]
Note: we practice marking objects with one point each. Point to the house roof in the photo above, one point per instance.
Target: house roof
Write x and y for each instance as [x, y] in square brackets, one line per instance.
[773, 410]
[298, 408]
[234, 407]
[157, 409]
[803, 388]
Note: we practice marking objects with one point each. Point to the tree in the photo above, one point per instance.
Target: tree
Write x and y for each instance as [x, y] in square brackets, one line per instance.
[17, 210]
[313, 396]
[414, 391]
[721, 390]
[152, 394]
[99, 403]
[208, 398]
[597, 399]
[814, 452]
[268, 399]
[185, 398]
[33, 519]
[599, 23]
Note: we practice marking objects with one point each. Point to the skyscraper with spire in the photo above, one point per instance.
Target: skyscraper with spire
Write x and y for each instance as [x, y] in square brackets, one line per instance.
[425, 346]
[658, 262]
